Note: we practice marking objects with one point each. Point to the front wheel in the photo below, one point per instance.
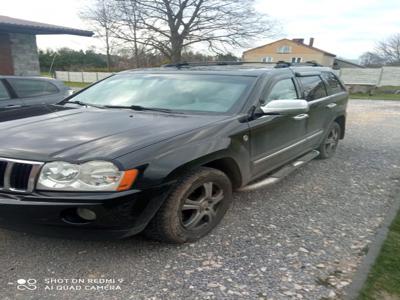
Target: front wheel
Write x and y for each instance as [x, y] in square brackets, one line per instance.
[328, 146]
[197, 204]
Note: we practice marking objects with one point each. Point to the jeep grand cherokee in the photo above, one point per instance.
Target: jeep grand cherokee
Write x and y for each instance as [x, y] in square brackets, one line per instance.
[160, 150]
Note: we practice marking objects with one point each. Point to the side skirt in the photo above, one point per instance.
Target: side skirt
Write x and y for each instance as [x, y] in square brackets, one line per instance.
[282, 172]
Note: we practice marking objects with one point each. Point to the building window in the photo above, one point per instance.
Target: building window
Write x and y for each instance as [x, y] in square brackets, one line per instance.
[267, 59]
[284, 49]
[296, 59]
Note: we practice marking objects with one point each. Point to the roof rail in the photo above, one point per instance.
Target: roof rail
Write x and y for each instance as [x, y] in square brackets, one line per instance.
[279, 64]
[285, 64]
[214, 63]
[177, 65]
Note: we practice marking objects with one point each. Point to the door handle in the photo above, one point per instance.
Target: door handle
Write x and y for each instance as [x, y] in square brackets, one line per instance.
[301, 117]
[331, 105]
[13, 106]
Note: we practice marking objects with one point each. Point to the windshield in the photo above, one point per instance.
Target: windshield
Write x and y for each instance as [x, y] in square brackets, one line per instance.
[177, 92]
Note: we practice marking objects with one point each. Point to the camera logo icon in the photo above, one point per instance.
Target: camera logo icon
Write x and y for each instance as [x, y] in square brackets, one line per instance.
[26, 284]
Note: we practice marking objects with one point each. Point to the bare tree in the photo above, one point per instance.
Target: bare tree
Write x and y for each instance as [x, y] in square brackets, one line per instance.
[389, 49]
[169, 26]
[103, 19]
[128, 30]
[371, 59]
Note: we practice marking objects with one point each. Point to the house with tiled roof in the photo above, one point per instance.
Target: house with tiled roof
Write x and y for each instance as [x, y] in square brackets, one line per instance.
[295, 50]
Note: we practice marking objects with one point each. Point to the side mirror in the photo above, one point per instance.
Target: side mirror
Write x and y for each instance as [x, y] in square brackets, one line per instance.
[286, 107]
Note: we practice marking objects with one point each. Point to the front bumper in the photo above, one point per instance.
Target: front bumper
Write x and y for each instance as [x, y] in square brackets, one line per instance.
[118, 214]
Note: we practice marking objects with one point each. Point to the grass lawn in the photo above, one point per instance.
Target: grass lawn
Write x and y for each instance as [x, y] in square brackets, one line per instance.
[68, 83]
[76, 84]
[379, 93]
[384, 279]
[45, 74]
[375, 97]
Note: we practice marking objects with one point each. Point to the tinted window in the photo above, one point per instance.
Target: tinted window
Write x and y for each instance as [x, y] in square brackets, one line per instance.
[283, 89]
[207, 93]
[313, 87]
[3, 92]
[333, 84]
[31, 88]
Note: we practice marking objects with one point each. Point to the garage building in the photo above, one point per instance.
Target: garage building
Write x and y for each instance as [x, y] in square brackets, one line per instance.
[18, 49]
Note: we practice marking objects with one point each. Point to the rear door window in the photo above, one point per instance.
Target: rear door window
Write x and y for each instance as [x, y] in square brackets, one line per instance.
[26, 88]
[313, 86]
[333, 84]
[3, 92]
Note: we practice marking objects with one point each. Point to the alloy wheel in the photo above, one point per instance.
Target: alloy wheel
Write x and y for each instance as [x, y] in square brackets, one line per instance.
[200, 208]
[332, 141]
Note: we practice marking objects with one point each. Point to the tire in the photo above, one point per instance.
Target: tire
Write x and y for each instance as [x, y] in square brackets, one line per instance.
[195, 206]
[330, 142]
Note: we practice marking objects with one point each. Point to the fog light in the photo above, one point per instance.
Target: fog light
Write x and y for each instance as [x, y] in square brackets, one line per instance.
[86, 214]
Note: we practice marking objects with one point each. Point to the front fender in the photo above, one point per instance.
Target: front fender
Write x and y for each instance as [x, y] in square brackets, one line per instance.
[167, 160]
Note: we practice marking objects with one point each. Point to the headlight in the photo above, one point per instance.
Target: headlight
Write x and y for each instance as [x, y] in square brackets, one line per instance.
[90, 176]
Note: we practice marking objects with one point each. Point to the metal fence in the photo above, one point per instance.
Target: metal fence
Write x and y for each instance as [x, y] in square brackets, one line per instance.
[386, 76]
[351, 76]
[86, 77]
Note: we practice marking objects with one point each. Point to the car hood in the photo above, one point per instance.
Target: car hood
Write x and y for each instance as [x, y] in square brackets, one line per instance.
[57, 132]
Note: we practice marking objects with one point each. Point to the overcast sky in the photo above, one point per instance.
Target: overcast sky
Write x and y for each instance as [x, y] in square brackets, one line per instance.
[346, 28]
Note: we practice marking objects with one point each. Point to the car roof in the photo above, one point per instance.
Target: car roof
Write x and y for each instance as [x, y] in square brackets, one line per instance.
[57, 82]
[220, 70]
[238, 69]
[26, 77]
[234, 68]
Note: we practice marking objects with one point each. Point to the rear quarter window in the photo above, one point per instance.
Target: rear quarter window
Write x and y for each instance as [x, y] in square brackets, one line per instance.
[26, 88]
[333, 85]
[313, 87]
[3, 92]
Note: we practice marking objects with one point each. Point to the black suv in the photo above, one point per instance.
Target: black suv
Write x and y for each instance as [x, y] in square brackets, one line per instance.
[160, 150]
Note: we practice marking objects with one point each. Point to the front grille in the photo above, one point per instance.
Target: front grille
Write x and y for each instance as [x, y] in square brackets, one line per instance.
[18, 175]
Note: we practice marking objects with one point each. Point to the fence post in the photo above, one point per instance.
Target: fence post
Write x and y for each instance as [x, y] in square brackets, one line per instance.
[380, 77]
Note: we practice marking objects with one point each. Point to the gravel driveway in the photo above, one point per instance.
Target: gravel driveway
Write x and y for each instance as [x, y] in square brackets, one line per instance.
[302, 238]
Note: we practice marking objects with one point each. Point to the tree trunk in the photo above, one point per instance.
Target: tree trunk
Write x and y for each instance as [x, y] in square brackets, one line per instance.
[176, 57]
[108, 52]
[176, 50]
[135, 43]
[136, 49]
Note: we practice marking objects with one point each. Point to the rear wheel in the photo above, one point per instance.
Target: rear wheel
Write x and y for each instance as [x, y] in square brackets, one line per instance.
[196, 205]
[328, 146]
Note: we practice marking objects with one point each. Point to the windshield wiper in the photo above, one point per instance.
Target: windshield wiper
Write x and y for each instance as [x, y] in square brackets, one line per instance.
[141, 108]
[84, 104]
